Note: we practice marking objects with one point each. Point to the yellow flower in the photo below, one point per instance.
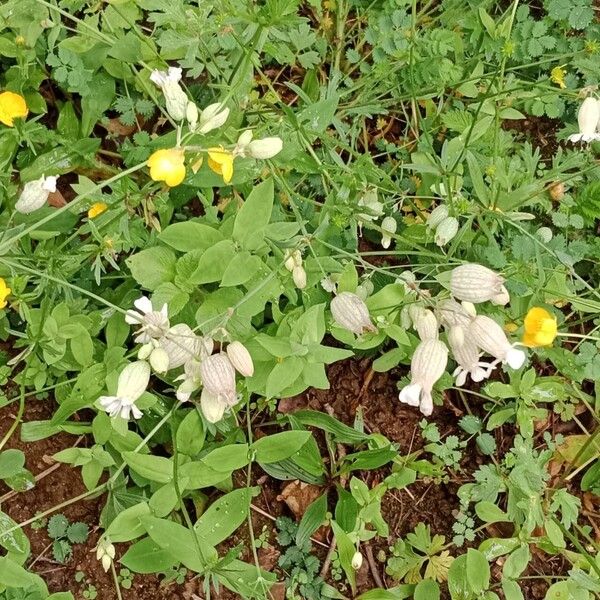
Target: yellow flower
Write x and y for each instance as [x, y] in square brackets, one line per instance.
[540, 328]
[557, 75]
[221, 162]
[12, 106]
[97, 209]
[168, 166]
[4, 293]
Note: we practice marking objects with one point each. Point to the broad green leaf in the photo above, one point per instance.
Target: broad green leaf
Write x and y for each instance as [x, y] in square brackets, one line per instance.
[279, 446]
[11, 462]
[346, 550]
[190, 235]
[478, 571]
[152, 266]
[427, 590]
[128, 525]
[312, 519]
[146, 556]
[213, 263]
[154, 468]
[283, 375]
[254, 216]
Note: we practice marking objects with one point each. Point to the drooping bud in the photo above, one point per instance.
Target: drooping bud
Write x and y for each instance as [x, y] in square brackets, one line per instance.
[212, 117]
[446, 231]
[212, 407]
[182, 345]
[490, 337]
[299, 277]
[357, 560]
[587, 119]
[364, 289]
[426, 367]
[105, 553]
[424, 322]
[466, 354]
[35, 194]
[437, 215]
[218, 375]
[351, 313]
[240, 358]
[389, 226]
[265, 148]
[159, 360]
[175, 98]
[191, 115]
[475, 283]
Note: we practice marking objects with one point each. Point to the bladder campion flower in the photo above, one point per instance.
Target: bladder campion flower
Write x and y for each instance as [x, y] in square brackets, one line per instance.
[97, 209]
[154, 324]
[175, 98]
[4, 293]
[540, 328]
[221, 162]
[12, 106]
[35, 194]
[587, 119]
[133, 381]
[167, 165]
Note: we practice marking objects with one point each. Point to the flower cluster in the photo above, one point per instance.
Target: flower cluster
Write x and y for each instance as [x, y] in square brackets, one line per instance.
[165, 348]
[442, 224]
[168, 164]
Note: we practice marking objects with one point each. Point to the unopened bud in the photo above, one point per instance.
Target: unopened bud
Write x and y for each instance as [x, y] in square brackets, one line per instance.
[357, 560]
[446, 230]
[475, 283]
[299, 277]
[351, 313]
[438, 214]
[240, 358]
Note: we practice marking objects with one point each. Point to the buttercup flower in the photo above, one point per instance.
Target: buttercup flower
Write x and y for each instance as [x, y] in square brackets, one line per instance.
[4, 293]
[35, 194]
[153, 323]
[176, 99]
[132, 383]
[12, 106]
[167, 165]
[587, 118]
[96, 209]
[212, 117]
[540, 328]
[221, 162]
[426, 367]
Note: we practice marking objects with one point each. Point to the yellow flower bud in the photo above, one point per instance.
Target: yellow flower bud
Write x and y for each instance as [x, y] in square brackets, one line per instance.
[97, 209]
[4, 293]
[167, 165]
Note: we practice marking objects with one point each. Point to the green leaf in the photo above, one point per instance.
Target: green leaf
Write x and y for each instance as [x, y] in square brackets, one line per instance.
[154, 468]
[224, 516]
[427, 590]
[478, 571]
[346, 550]
[190, 434]
[312, 519]
[490, 513]
[152, 266]
[189, 236]
[213, 263]
[57, 526]
[254, 216]
[242, 267]
[127, 525]
[283, 375]
[11, 462]
[279, 446]
[516, 562]
[146, 556]
[77, 533]
[14, 576]
[511, 590]
[227, 458]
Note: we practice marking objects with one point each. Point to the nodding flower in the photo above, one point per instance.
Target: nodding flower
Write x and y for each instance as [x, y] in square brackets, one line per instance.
[475, 283]
[466, 354]
[153, 323]
[426, 367]
[490, 337]
[588, 118]
[175, 98]
[132, 383]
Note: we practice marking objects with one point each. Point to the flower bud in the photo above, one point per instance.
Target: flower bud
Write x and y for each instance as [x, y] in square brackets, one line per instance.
[364, 289]
[426, 367]
[438, 214]
[191, 115]
[212, 117]
[476, 283]
[351, 313]
[212, 408]
[389, 226]
[105, 553]
[265, 148]
[587, 119]
[424, 322]
[175, 98]
[299, 277]
[35, 194]
[452, 314]
[218, 374]
[490, 337]
[240, 358]
[159, 361]
[445, 231]
[557, 191]
[357, 560]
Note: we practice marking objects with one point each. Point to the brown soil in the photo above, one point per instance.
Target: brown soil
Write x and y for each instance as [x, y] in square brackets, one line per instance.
[353, 385]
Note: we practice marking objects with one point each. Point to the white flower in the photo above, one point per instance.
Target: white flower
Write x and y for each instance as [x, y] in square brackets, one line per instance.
[292, 259]
[154, 324]
[475, 283]
[242, 143]
[424, 322]
[192, 380]
[427, 366]
[357, 560]
[490, 337]
[176, 99]
[218, 377]
[445, 231]
[132, 383]
[369, 200]
[350, 312]
[212, 117]
[299, 277]
[588, 119]
[266, 148]
[105, 552]
[388, 226]
[35, 194]
[437, 215]
[182, 345]
[453, 314]
[213, 408]
[240, 358]
[328, 284]
[466, 354]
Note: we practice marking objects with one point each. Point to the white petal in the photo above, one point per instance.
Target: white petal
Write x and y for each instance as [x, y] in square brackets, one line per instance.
[50, 184]
[515, 358]
[133, 318]
[426, 405]
[411, 394]
[158, 77]
[174, 74]
[144, 305]
[212, 408]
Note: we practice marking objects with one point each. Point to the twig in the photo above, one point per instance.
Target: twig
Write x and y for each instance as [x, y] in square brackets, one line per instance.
[373, 566]
[328, 558]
